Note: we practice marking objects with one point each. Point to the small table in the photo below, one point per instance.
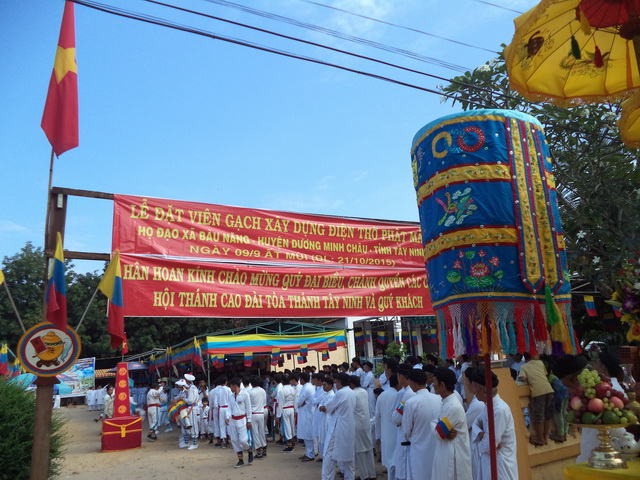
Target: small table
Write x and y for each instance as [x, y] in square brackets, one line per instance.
[582, 471]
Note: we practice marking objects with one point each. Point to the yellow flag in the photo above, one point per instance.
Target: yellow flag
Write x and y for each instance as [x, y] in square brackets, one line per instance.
[1, 277]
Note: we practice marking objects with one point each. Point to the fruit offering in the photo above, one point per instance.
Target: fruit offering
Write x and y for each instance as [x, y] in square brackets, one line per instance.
[595, 402]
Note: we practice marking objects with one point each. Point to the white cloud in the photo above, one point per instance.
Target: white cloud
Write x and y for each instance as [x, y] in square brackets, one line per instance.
[361, 177]
[7, 227]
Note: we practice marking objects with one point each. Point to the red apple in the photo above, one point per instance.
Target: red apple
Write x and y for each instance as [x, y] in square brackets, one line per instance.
[617, 402]
[576, 403]
[595, 405]
[603, 390]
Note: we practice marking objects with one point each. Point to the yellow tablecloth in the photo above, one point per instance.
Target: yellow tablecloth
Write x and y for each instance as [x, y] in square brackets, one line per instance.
[582, 471]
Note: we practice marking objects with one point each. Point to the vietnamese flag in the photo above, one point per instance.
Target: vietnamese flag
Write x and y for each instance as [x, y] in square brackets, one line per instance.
[56, 299]
[60, 117]
[111, 286]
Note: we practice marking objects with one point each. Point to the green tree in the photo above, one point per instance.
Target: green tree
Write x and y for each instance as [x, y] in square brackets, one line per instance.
[17, 416]
[24, 273]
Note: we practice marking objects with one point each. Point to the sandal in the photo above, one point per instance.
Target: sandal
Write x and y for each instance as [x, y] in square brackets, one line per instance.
[535, 443]
[556, 438]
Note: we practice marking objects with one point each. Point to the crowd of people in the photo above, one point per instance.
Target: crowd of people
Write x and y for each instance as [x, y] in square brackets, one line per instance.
[412, 417]
[422, 419]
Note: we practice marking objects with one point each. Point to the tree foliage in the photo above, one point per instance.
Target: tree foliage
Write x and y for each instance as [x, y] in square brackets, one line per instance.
[17, 416]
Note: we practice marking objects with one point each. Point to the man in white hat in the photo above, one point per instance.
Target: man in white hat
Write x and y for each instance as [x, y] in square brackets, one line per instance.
[182, 386]
[192, 398]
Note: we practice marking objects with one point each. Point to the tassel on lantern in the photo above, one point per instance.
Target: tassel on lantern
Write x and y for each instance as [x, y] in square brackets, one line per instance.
[575, 48]
[449, 340]
[597, 58]
[513, 348]
[539, 323]
[465, 335]
[474, 337]
[504, 338]
[484, 340]
[495, 338]
[584, 24]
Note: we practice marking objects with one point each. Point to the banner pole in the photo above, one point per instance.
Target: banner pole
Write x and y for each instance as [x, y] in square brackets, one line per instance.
[44, 385]
[14, 306]
[493, 462]
[86, 309]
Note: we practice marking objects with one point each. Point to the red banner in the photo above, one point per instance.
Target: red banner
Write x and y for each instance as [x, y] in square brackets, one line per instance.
[152, 226]
[163, 287]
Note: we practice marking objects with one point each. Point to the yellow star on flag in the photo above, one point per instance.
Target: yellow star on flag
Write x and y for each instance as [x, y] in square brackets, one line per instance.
[65, 62]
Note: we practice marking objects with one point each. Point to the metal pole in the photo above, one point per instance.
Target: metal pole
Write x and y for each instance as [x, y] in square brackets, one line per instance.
[86, 309]
[14, 306]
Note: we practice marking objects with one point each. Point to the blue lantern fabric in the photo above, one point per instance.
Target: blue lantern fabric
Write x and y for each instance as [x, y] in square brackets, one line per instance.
[492, 234]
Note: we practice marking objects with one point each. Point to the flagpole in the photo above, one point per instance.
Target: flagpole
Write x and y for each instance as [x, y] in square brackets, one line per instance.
[14, 306]
[87, 309]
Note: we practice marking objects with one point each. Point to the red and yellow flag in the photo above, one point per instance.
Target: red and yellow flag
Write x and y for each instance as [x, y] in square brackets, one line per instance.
[60, 117]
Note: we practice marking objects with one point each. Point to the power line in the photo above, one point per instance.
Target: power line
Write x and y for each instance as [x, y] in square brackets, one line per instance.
[399, 26]
[164, 23]
[498, 6]
[343, 36]
[345, 52]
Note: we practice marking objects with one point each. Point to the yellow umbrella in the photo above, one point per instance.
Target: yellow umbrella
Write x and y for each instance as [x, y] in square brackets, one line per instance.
[573, 52]
[629, 122]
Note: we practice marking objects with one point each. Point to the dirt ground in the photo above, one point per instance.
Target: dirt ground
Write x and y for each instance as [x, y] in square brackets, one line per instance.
[164, 460]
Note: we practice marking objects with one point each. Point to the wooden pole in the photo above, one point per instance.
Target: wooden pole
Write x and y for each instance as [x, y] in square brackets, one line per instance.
[489, 400]
[44, 385]
[42, 428]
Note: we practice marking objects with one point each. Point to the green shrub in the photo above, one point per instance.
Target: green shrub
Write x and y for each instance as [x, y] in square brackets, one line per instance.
[395, 348]
[17, 413]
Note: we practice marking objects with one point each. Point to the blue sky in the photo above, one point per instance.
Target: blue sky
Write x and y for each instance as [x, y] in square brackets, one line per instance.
[173, 115]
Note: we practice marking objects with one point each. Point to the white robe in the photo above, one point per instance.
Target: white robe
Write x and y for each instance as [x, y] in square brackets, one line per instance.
[324, 420]
[305, 412]
[363, 422]
[386, 430]
[369, 384]
[384, 381]
[476, 409]
[453, 456]
[400, 460]
[317, 414]
[419, 412]
[341, 429]
[506, 455]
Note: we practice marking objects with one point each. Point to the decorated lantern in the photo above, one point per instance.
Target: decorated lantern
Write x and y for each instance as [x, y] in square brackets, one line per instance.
[491, 232]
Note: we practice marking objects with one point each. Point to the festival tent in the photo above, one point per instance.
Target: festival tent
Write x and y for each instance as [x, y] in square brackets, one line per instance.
[260, 340]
